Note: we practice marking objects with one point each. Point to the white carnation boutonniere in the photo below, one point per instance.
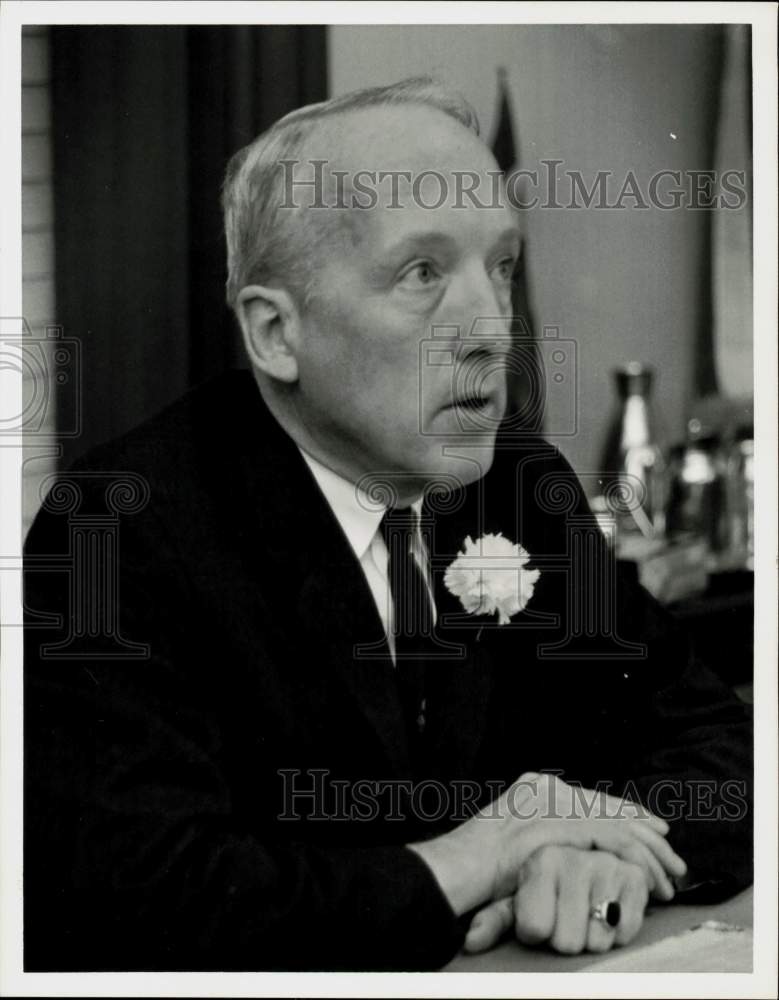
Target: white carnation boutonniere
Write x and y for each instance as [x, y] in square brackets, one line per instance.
[490, 576]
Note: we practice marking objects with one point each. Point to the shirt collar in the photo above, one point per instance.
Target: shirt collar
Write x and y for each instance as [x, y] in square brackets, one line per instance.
[358, 514]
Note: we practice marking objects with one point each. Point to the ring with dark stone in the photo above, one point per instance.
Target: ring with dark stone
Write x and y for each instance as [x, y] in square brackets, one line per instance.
[608, 911]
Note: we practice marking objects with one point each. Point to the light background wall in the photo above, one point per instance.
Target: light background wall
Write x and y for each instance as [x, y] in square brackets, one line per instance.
[37, 261]
[625, 285]
[732, 231]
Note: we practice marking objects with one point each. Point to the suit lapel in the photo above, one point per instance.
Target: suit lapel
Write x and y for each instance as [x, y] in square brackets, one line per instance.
[461, 683]
[307, 570]
[338, 610]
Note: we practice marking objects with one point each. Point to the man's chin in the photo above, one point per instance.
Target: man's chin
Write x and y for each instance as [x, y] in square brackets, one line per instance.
[456, 463]
[446, 463]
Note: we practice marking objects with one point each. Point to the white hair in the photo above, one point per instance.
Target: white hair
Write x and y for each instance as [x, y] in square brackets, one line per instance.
[266, 245]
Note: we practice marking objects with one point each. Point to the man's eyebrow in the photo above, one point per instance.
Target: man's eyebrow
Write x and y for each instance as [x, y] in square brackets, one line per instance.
[434, 239]
[512, 235]
[415, 241]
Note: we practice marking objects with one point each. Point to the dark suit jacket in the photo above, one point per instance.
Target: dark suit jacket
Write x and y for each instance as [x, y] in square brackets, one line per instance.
[191, 675]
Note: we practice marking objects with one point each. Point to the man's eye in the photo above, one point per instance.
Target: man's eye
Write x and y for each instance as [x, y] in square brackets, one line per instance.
[420, 274]
[504, 269]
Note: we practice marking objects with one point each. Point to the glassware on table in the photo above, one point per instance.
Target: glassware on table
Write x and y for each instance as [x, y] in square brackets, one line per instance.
[697, 500]
[741, 498]
[634, 469]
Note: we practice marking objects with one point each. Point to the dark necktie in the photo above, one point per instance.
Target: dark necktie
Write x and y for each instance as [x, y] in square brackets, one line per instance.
[413, 620]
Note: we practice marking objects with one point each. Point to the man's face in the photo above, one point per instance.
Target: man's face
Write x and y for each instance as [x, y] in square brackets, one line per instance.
[402, 355]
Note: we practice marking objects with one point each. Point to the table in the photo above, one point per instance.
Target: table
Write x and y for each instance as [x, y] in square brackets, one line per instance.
[660, 922]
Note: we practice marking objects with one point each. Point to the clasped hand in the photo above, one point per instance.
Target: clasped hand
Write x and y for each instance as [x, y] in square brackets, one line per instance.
[544, 853]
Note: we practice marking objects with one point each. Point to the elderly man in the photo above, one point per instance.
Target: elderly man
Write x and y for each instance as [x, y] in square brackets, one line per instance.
[332, 708]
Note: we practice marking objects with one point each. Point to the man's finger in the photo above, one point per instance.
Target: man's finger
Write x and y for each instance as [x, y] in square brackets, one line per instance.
[606, 885]
[625, 834]
[638, 845]
[628, 809]
[536, 899]
[594, 803]
[659, 883]
[573, 908]
[633, 900]
[605, 834]
[489, 925]
[615, 835]
[656, 822]
[659, 847]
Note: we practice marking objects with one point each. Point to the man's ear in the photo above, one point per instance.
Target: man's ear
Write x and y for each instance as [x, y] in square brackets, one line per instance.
[271, 325]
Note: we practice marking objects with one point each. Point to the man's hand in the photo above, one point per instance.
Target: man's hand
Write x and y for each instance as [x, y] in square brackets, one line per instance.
[547, 796]
[557, 888]
[479, 862]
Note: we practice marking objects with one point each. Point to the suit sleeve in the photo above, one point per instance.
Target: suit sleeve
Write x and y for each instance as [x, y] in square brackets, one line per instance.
[668, 731]
[134, 856]
[691, 755]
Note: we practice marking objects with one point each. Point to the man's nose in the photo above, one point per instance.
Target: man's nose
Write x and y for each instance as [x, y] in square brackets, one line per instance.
[483, 322]
[486, 336]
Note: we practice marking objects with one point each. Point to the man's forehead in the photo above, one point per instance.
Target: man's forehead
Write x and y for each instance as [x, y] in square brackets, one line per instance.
[444, 228]
[385, 173]
[402, 137]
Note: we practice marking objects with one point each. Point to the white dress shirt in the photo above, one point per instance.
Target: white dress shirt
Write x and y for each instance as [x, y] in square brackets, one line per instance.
[360, 517]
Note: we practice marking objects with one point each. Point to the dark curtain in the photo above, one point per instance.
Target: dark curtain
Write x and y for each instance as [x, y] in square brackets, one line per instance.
[525, 378]
[705, 369]
[145, 119]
